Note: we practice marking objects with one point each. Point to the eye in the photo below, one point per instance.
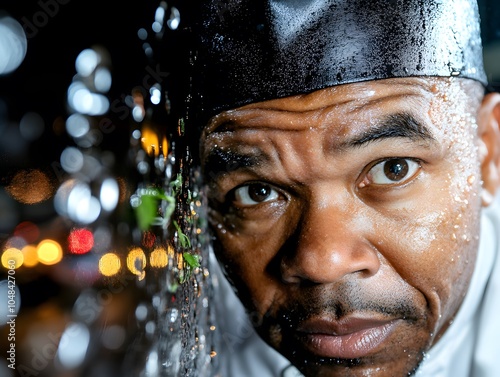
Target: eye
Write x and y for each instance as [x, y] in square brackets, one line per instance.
[255, 193]
[394, 170]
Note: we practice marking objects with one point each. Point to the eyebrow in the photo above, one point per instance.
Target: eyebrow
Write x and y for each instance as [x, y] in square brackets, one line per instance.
[399, 125]
[220, 162]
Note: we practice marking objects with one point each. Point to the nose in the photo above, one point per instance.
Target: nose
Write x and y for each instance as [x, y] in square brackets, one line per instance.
[330, 244]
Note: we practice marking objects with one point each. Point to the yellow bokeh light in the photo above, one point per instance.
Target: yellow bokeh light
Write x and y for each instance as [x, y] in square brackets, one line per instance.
[170, 251]
[150, 142]
[109, 264]
[180, 261]
[158, 258]
[12, 258]
[30, 256]
[136, 262]
[153, 143]
[49, 252]
[165, 146]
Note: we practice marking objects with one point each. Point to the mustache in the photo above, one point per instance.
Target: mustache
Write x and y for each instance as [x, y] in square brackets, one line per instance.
[342, 303]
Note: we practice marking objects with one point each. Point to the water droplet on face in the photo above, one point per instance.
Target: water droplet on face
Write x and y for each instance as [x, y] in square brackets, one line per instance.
[471, 179]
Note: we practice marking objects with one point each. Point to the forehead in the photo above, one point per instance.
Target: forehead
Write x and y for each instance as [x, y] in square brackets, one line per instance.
[437, 102]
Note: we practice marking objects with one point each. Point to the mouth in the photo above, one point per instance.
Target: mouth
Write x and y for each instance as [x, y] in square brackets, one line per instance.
[348, 338]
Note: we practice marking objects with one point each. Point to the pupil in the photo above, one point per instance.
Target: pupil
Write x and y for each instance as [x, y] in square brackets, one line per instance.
[396, 169]
[258, 193]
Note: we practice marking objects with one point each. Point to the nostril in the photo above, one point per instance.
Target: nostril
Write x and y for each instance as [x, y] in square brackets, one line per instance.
[288, 275]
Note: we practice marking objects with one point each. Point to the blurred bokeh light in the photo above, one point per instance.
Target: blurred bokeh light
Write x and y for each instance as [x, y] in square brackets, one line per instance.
[49, 252]
[13, 44]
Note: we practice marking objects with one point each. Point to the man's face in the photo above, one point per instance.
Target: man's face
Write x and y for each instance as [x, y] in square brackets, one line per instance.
[347, 219]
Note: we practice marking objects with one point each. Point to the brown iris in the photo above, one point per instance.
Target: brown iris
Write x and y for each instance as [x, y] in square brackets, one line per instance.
[396, 169]
[259, 192]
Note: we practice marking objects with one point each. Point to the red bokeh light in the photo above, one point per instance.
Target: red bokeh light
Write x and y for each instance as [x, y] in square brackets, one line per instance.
[28, 231]
[80, 241]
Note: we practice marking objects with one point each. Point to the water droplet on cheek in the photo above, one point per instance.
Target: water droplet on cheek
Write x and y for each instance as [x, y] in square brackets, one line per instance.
[471, 179]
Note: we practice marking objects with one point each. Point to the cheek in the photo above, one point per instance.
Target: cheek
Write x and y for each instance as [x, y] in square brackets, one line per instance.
[436, 250]
[456, 245]
[444, 239]
[248, 260]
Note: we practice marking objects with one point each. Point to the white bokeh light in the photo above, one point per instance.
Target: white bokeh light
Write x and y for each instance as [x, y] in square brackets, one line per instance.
[71, 159]
[86, 210]
[155, 95]
[110, 193]
[102, 79]
[175, 19]
[74, 200]
[77, 125]
[86, 62]
[13, 44]
[73, 345]
[82, 100]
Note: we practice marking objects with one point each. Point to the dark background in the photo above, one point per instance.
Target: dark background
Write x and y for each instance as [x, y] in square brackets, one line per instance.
[57, 33]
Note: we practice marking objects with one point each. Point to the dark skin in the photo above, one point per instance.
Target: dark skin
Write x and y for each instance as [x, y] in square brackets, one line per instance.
[347, 219]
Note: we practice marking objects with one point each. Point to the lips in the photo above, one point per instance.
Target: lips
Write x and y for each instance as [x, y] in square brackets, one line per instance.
[348, 338]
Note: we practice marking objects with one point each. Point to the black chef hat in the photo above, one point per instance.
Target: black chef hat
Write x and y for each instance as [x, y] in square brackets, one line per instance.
[254, 50]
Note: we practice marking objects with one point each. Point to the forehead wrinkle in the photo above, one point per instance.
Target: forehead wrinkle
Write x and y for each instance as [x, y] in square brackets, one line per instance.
[296, 113]
[315, 100]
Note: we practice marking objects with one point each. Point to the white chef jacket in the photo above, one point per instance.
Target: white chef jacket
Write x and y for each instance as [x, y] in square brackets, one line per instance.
[469, 348]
